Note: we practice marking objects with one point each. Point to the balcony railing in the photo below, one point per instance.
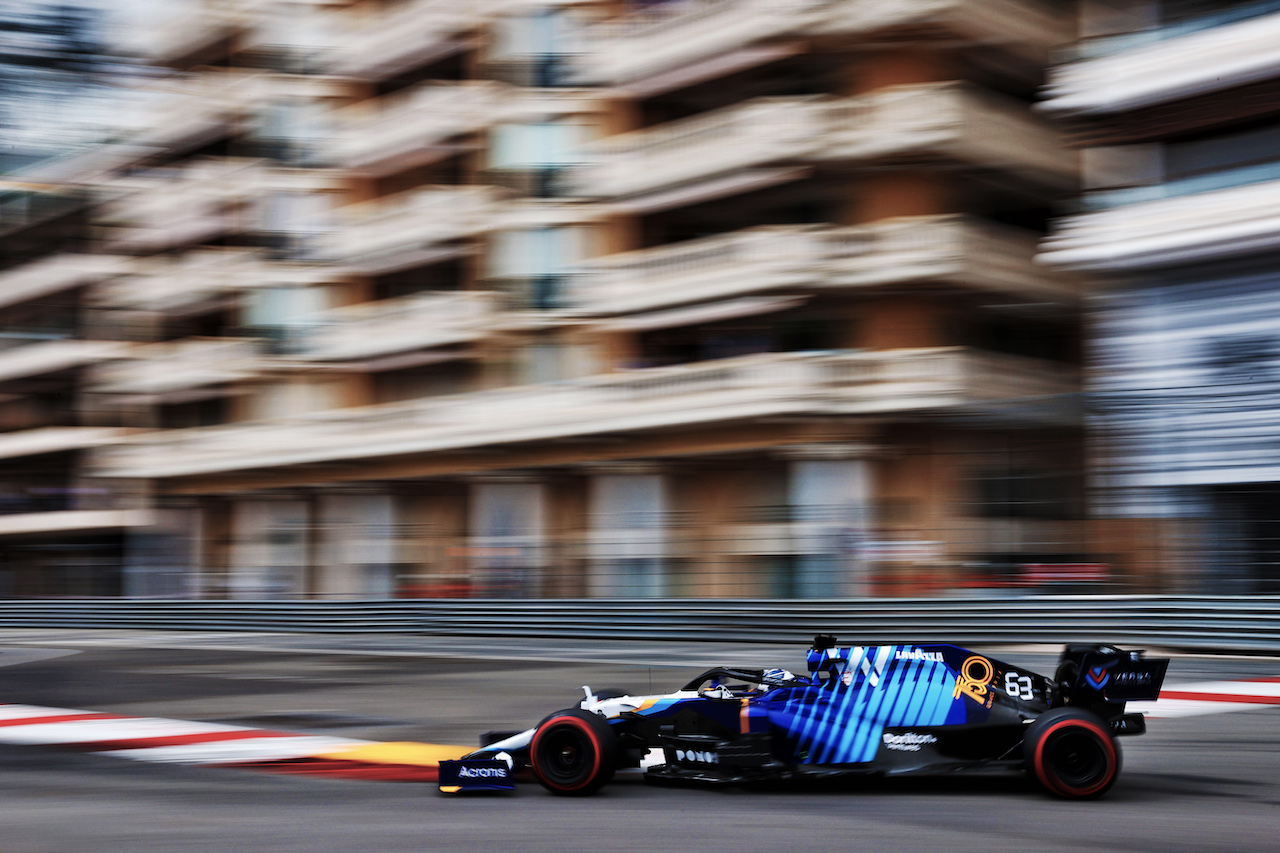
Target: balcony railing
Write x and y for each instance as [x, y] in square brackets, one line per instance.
[52, 356]
[165, 283]
[950, 248]
[952, 121]
[54, 439]
[1197, 63]
[194, 28]
[410, 221]
[933, 121]
[395, 131]
[378, 46]
[667, 38]
[411, 322]
[55, 274]
[203, 200]
[1021, 27]
[190, 109]
[741, 389]
[725, 265]
[670, 37]
[757, 133]
[955, 249]
[1201, 227]
[179, 365]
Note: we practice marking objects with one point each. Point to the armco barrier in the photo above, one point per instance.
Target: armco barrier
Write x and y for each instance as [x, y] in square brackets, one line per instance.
[1244, 623]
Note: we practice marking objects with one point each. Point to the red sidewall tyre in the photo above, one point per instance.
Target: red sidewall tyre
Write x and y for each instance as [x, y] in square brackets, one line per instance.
[1072, 754]
[573, 753]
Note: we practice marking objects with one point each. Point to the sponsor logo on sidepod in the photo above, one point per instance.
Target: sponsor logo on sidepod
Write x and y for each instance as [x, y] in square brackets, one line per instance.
[917, 654]
[482, 772]
[907, 741]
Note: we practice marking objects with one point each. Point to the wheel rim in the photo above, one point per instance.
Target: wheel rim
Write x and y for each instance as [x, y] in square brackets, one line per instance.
[565, 755]
[1077, 759]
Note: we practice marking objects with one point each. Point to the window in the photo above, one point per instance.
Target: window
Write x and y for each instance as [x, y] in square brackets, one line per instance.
[538, 262]
[540, 153]
[531, 49]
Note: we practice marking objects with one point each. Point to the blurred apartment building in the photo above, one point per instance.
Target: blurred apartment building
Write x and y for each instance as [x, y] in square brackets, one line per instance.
[66, 529]
[1176, 104]
[519, 297]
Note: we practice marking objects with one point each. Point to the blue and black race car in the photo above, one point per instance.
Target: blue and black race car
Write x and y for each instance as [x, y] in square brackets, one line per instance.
[893, 709]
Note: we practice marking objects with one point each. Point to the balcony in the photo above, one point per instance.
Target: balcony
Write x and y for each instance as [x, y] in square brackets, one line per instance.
[678, 43]
[56, 503]
[418, 31]
[753, 135]
[681, 36]
[395, 230]
[188, 111]
[195, 29]
[723, 266]
[413, 322]
[949, 121]
[931, 122]
[913, 383]
[397, 132]
[56, 274]
[1024, 28]
[954, 249]
[202, 201]
[34, 442]
[1186, 229]
[73, 521]
[165, 283]
[1171, 69]
[163, 368]
[36, 359]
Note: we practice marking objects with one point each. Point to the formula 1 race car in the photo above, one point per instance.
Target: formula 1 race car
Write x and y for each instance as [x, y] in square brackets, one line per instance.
[897, 709]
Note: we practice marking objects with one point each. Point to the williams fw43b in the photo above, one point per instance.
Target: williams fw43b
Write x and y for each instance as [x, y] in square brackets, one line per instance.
[901, 709]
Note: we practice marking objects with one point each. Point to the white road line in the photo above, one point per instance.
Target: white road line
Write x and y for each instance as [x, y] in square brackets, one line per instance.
[21, 712]
[1203, 703]
[251, 749]
[1171, 708]
[87, 731]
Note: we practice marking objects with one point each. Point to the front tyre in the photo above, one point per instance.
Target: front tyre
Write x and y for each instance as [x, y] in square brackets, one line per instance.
[574, 752]
[1072, 753]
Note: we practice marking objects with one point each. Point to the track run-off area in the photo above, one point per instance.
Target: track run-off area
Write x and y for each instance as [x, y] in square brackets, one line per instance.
[200, 741]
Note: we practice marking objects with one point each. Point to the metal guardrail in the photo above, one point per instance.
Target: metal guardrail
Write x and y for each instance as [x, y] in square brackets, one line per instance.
[1241, 623]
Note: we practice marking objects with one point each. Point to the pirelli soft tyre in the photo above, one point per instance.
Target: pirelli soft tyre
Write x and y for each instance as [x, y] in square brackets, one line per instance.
[1072, 753]
[573, 752]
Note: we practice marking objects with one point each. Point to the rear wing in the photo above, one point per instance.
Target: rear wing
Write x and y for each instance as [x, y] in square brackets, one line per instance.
[1116, 676]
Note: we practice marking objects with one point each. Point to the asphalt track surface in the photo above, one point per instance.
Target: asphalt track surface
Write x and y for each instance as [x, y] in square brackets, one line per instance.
[1191, 784]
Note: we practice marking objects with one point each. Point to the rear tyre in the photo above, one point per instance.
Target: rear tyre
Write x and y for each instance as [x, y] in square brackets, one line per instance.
[574, 752]
[1072, 754]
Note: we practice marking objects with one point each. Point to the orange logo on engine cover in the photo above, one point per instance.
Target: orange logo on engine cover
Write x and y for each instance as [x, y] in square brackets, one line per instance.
[972, 680]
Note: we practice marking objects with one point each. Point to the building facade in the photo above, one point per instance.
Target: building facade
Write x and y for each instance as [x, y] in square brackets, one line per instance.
[1172, 103]
[494, 298]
